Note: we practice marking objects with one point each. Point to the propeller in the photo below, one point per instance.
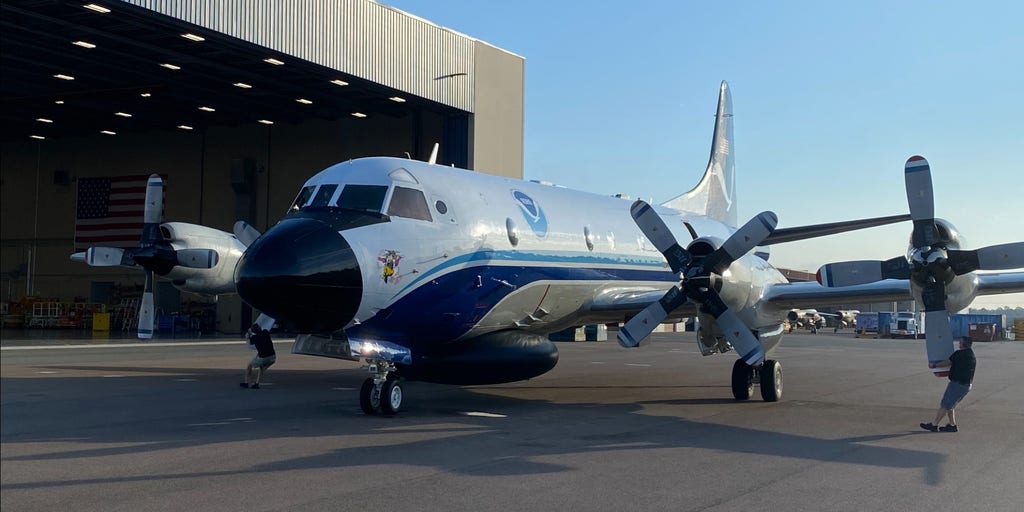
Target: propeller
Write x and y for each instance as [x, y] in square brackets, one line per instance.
[154, 254]
[245, 233]
[698, 278]
[931, 265]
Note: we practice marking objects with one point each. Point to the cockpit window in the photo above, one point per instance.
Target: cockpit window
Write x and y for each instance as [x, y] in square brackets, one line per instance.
[300, 200]
[324, 195]
[409, 203]
[367, 198]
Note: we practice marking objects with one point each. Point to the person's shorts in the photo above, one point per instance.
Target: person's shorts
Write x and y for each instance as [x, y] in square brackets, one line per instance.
[955, 392]
[263, 362]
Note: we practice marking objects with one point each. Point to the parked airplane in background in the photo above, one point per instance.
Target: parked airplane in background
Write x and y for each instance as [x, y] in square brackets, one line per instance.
[445, 275]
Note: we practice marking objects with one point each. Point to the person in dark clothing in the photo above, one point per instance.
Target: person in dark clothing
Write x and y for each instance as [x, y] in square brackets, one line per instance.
[265, 356]
[961, 375]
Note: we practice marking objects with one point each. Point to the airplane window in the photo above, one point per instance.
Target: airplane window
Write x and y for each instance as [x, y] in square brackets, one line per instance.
[323, 196]
[300, 200]
[367, 198]
[441, 207]
[409, 203]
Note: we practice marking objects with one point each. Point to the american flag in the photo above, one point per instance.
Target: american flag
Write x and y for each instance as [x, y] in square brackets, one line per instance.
[109, 212]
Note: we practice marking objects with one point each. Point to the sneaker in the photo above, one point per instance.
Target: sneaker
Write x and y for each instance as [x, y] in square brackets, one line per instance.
[929, 427]
[243, 385]
[948, 428]
[254, 386]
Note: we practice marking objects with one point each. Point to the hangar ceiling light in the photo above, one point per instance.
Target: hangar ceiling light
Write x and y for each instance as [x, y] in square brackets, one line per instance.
[266, 121]
[44, 120]
[397, 99]
[64, 77]
[125, 41]
[184, 127]
[98, 8]
[108, 132]
[38, 137]
[204, 108]
[122, 114]
[192, 37]
[358, 114]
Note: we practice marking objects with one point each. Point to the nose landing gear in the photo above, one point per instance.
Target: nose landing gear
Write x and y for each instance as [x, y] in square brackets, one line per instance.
[382, 393]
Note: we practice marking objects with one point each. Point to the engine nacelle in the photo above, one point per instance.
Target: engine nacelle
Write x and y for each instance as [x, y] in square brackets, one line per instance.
[212, 281]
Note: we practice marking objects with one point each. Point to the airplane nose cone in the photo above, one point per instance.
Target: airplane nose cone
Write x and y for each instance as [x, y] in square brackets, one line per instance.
[303, 272]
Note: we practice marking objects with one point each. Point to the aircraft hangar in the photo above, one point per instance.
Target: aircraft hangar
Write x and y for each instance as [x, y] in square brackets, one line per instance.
[235, 104]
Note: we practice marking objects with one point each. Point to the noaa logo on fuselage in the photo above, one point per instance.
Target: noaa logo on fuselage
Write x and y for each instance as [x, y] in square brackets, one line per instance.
[532, 212]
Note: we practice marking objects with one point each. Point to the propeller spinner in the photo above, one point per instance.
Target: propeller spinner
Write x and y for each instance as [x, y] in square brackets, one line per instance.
[696, 285]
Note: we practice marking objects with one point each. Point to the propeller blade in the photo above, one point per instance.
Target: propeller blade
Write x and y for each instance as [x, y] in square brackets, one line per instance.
[245, 233]
[636, 330]
[266, 322]
[993, 257]
[851, 273]
[939, 339]
[737, 332]
[918, 177]
[146, 309]
[197, 258]
[154, 209]
[748, 236]
[654, 228]
[104, 256]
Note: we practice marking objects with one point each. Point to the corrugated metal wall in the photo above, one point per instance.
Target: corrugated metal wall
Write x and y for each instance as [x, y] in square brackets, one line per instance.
[358, 37]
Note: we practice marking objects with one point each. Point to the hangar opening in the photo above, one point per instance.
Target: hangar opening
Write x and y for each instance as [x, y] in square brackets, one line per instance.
[234, 104]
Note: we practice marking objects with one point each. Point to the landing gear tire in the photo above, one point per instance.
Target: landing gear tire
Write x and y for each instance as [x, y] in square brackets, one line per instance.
[742, 380]
[771, 381]
[391, 396]
[369, 396]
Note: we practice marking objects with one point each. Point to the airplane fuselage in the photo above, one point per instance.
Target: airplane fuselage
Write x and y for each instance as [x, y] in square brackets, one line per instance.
[457, 255]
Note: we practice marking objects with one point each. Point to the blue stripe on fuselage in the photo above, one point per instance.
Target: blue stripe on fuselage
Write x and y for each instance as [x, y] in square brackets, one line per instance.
[449, 305]
[534, 258]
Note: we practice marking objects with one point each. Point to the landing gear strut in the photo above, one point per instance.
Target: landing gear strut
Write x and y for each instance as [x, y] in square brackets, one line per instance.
[382, 393]
[769, 376]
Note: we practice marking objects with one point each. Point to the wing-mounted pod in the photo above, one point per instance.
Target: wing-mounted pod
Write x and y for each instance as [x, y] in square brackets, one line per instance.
[700, 267]
[933, 262]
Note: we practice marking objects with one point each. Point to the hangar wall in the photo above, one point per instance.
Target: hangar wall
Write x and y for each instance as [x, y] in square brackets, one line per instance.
[39, 215]
[496, 135]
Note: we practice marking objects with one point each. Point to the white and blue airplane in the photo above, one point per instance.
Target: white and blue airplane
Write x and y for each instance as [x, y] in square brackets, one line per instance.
[445, 275]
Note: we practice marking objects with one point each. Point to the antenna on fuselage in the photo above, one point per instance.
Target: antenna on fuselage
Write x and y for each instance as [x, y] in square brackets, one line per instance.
[433, 154]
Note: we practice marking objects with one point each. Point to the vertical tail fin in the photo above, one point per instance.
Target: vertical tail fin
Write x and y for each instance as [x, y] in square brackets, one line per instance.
[715, 195]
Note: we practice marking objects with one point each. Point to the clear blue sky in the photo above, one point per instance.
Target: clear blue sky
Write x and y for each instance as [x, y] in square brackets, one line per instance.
[830, 99]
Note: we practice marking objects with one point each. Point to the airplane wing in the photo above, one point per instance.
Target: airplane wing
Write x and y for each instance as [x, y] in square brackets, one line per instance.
[630, 302]
[812, 294]
[993, 284]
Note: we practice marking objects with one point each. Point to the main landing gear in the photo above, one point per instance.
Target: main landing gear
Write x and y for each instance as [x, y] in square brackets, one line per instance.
[768, 375]
[382, 393]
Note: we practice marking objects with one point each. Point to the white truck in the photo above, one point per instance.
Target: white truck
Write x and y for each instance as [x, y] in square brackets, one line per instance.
[907, 324]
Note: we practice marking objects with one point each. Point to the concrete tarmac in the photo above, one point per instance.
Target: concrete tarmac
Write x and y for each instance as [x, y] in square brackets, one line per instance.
[127, 427]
